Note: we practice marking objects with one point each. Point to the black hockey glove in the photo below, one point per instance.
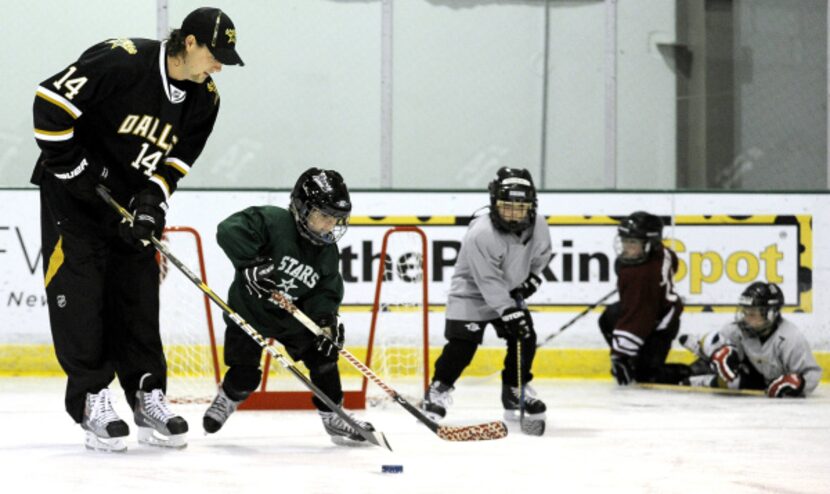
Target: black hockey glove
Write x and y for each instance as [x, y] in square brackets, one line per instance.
[527, 288]
[727, 362]
[787, 385]
[81, 178]
[259, 278]
[331, 340]
[622, 368]
[516, 323]
[148, 209]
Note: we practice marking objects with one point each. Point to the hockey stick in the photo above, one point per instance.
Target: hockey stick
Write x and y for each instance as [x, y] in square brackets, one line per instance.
[480, 432]
[375, 437]
[529, 427]
[701, 389]
[576, 318]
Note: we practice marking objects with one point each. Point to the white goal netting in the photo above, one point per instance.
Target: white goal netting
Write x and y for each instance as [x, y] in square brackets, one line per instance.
[398, 338]
[186, 327]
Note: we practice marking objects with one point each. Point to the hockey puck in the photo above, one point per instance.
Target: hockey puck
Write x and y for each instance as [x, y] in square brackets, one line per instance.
[391, 468]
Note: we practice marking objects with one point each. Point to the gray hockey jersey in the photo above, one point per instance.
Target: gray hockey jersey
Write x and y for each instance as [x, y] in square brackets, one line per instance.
[490, 264]
[786, 351]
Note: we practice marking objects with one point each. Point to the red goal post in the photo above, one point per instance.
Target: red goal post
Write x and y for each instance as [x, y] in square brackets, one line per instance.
[379, 307]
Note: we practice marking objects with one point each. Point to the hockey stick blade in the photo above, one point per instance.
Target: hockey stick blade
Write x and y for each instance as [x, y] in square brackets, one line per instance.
[479, 432]
[374, 437]
[533, 427]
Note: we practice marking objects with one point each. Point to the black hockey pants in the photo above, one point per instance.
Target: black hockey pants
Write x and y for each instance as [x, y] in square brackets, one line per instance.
[243, 356]
[650, 364]
[103, 298]
[463, 339]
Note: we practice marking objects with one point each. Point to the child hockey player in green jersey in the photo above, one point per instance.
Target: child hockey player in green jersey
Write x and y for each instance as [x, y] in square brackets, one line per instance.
[295, 252]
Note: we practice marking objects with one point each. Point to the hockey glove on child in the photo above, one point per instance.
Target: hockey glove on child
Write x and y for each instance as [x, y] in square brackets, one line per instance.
[148, 210]
[516, 323]
[259, 279]
[527, 288]
[331, 340]
[787, 385]
[727, 362]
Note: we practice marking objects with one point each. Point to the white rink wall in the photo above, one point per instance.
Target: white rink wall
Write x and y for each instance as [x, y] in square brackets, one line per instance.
[724, 242]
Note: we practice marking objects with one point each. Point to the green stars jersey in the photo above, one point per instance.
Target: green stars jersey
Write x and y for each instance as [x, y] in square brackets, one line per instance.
[308, 274]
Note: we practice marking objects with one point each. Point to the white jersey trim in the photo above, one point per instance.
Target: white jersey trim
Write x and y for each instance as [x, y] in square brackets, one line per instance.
[58, 100]
[174, 94]
[178, 164]
[162, 185]
[63, 135]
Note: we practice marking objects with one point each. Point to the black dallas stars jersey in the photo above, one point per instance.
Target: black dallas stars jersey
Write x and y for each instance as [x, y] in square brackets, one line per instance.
[117, 107]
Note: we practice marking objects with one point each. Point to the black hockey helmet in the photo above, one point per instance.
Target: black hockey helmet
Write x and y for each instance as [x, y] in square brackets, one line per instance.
[764, 299]
[513, 190]
[321, 191]
[643, 226]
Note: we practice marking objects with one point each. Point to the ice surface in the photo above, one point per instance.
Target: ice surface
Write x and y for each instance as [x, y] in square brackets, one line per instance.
[600, 438]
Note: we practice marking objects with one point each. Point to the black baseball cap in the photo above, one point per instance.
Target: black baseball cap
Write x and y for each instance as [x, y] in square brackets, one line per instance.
[213, 28]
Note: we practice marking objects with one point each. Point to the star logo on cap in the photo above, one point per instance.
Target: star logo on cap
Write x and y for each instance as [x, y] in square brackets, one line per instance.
[231, 34]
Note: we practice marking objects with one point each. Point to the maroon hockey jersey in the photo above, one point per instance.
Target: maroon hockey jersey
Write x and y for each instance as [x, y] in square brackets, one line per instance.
[647, 296]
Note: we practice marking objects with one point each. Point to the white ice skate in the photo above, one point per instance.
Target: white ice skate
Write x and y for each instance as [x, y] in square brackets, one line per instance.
[220, 409]
[342, 433]
[104, 429]
[436, 400]
[157, 424]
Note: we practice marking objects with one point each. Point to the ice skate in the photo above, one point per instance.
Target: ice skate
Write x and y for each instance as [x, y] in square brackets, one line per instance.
[218, 412]
[436, 400]
[342, 433]
[534, 407]
[104, 429]
[157, 424]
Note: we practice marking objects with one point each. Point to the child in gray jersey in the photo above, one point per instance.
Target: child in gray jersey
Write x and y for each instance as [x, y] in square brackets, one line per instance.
[759, 350]
[499, 265]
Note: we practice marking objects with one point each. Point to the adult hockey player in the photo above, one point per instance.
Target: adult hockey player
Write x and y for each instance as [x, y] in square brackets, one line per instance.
[499, 266]
[759, 349]
[294, 252]
[640, 327]
[132, 115]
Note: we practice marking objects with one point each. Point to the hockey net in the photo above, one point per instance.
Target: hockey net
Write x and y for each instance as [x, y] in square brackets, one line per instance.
[185, 321]
[396, 347]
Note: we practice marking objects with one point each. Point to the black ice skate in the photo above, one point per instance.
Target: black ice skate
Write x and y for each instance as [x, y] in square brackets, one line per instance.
[157, 424]
[534, 407]
[342, 433]
[104, 429]
[436, 400]
[219, 411]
